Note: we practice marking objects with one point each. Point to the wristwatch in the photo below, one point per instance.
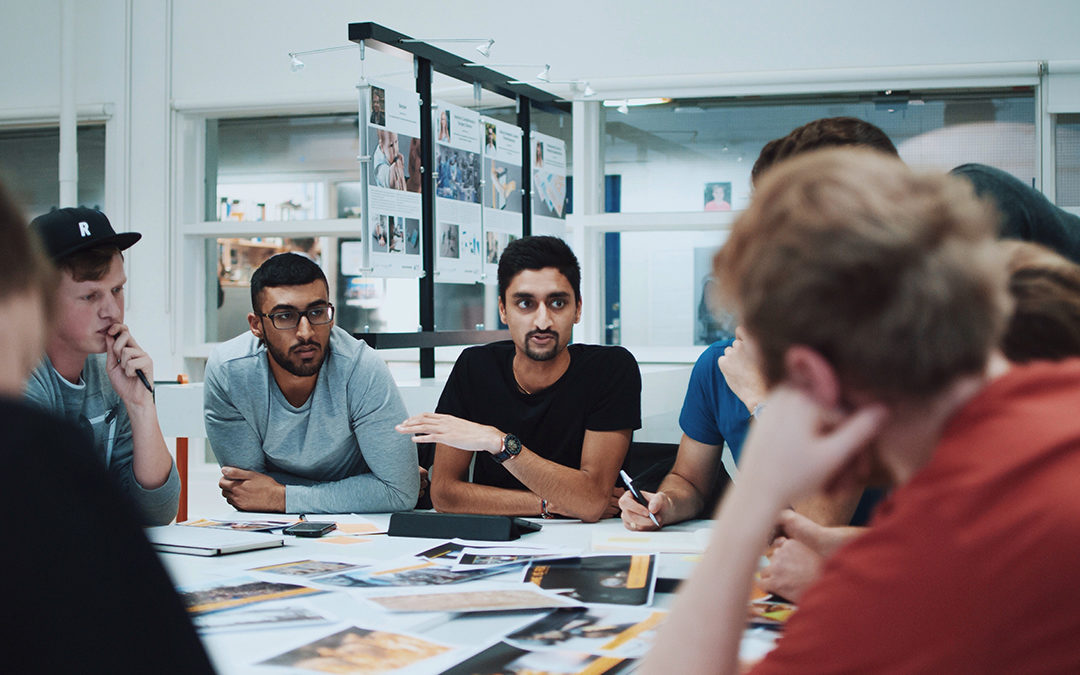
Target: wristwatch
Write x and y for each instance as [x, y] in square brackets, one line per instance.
[511, 446]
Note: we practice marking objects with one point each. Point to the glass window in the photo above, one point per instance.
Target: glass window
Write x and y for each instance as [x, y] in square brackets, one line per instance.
[1067, 159]
[29, 168]
[682, 154]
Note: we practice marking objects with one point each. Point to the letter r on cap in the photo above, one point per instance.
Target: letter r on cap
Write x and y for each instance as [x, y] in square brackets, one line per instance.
[84, 229]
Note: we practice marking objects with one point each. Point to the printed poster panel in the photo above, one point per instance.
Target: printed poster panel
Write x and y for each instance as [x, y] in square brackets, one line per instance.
[549, 184]
[391, 137]
[502, 191]
[458, 256]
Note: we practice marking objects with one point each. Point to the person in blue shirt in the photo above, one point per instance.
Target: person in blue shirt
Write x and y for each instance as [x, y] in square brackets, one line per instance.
[724, 393]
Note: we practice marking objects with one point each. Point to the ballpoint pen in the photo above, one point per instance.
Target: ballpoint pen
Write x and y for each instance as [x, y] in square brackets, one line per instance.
[638, 497]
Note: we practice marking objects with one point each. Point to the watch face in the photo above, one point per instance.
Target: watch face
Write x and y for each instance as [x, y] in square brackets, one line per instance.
[513, 445]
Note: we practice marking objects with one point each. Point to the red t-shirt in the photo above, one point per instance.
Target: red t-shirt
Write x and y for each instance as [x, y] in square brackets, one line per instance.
[973, 566]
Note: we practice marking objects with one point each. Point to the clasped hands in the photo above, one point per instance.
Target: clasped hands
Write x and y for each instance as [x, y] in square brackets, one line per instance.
[251, 490]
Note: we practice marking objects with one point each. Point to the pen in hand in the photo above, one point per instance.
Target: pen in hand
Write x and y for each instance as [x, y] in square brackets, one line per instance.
[146, 383]
[638, 497]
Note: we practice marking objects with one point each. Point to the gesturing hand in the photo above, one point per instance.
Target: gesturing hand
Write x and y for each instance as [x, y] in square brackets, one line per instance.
[251, 490]
[800, 444]
[452, 431]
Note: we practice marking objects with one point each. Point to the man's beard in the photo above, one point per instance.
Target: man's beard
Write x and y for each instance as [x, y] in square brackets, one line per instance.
[298, 369]
[545, 355]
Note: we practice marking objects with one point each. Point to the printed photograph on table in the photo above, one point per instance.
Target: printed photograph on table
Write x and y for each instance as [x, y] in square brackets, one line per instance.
[359, 650]
[718, 196]
[426, 574]
[505, 659]
[621, 631]
[492, 600]
[237, 592]
[241, 525]
[307, 568]
[605, 579]
[770, 613]
[259, 617]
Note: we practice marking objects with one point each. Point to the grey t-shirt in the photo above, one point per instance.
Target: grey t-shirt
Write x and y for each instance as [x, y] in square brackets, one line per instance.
[338, 452]
[94, 404]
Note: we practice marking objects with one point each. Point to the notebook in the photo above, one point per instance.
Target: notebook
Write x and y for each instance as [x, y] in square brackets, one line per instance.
[207, 541]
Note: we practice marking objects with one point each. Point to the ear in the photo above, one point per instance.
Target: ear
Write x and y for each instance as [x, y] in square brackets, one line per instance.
[577, 314]
[255, 324]
[810, 373]
[502, 311]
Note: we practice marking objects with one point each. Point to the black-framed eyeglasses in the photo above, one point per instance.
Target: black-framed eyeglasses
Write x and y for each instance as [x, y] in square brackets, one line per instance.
[290, 318]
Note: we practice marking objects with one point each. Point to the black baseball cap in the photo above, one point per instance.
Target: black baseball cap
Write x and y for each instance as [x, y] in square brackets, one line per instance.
[70, 230]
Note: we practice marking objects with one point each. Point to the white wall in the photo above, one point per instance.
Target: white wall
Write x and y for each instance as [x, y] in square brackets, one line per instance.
[144, 57]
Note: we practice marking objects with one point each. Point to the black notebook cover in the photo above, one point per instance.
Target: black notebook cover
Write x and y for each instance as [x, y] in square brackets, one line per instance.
[458, 526]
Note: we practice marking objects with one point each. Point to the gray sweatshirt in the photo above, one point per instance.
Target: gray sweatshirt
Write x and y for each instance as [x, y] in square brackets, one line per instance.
[94, 404]
[338, 452]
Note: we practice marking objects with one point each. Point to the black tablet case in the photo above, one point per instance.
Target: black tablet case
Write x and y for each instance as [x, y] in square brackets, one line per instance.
[458, 526]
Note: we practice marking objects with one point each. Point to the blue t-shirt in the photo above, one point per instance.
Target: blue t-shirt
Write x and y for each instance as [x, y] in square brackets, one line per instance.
[711, 412]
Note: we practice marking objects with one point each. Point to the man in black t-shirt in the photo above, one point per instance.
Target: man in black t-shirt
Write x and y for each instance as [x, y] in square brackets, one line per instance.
[548, 422]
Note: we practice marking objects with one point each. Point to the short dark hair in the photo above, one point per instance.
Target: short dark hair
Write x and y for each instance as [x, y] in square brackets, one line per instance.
[284, 269]
[1045, 323]
[826, 132]
[535, 253]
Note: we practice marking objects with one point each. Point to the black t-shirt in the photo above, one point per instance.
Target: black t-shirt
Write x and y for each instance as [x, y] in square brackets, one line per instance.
[86, 592]
[600, 391]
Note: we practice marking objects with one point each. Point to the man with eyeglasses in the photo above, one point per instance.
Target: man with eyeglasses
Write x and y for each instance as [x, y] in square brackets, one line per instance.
[300, 414]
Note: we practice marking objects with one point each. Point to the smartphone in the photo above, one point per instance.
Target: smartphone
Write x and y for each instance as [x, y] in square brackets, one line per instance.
[309, 528]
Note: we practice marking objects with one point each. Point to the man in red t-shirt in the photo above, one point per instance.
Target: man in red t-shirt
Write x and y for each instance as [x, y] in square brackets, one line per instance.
[873, 298]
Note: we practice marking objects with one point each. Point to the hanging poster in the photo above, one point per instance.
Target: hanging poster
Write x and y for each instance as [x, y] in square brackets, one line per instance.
[502, 191]
[390, 136]
[458, 258]
[549, 184]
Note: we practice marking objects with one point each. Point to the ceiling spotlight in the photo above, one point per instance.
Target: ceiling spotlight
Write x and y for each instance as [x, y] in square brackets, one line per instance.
[545, 74]
[484, 47]
[589, 91]
[296, 65]
[624, 108]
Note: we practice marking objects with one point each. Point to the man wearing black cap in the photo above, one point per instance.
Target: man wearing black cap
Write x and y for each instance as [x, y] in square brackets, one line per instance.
[93, 371]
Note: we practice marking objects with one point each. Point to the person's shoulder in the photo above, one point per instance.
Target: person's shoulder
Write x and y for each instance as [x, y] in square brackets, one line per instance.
[346, 347]
[487, 353]
[606, 355]
[41, 379]
[243, 346]
[713, 352]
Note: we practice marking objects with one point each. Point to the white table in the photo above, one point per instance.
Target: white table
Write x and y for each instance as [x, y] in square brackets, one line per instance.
[237, 652]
